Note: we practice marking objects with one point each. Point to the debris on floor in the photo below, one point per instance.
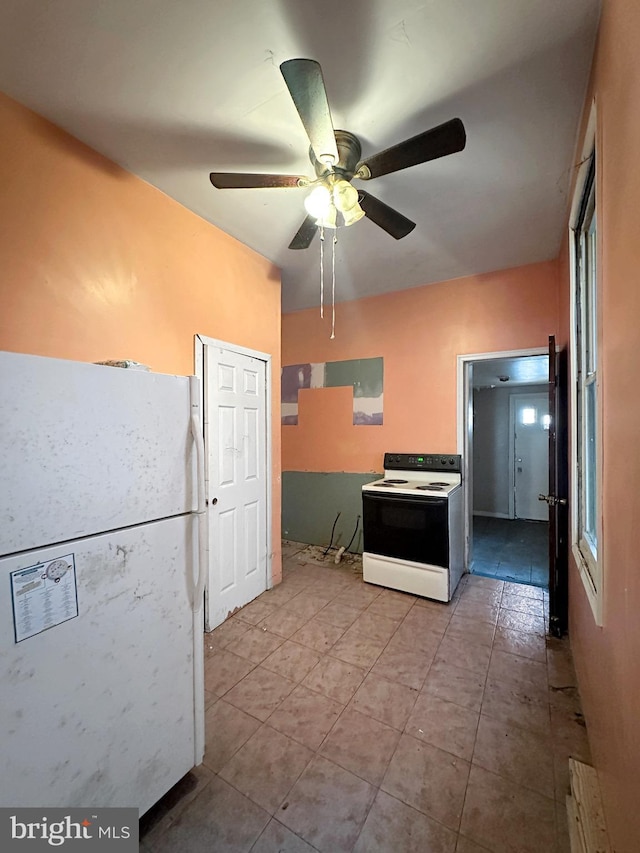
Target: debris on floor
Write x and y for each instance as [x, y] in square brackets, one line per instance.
[302, 554]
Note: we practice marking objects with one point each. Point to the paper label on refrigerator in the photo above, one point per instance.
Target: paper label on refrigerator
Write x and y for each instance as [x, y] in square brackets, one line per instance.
[44, 595]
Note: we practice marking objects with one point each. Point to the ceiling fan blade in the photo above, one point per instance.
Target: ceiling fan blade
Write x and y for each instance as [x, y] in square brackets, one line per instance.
[306, 87]
[305, 235]
[241, 181]
[386, 217]
[444, 139]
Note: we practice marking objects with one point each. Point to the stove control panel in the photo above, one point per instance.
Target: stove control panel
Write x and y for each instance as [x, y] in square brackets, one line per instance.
[423, 462]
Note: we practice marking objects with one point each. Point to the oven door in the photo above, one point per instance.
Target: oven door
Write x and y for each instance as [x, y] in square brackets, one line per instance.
[406, 527]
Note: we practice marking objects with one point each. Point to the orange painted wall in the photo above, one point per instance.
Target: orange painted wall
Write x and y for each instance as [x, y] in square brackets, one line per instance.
[608, 658]
[419, 333]
[97, 264]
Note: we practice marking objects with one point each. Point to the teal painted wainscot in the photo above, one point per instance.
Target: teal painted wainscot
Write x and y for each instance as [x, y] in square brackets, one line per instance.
[364, 375]
[312, 500]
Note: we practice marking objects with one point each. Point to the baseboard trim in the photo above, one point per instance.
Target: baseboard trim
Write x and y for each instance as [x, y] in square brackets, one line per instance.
[585, 813]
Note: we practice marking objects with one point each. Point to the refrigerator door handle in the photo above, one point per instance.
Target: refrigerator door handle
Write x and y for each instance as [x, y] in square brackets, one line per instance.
[196, 432]
[203, 564]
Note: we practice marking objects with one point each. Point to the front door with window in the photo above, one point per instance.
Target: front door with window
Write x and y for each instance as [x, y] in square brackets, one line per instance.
[531, 440]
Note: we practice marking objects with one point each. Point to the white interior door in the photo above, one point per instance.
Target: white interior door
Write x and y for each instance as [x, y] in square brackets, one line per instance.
[235, 438]
[530, 414]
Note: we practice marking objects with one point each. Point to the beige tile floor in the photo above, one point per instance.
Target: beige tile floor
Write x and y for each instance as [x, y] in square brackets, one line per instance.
[342, 716]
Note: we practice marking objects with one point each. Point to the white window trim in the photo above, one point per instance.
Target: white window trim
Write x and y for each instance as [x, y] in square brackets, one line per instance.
[586, 567]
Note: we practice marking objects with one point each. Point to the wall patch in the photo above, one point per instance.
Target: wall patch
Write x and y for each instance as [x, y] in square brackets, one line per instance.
[364, 375]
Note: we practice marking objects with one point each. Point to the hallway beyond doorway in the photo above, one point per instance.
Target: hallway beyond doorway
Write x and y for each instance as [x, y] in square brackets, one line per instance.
[511, 550]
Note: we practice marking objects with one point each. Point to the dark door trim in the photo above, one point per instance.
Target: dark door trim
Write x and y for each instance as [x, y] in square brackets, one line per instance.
[558, 497]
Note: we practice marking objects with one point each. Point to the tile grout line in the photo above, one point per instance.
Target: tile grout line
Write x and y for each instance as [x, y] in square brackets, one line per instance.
[368, 670]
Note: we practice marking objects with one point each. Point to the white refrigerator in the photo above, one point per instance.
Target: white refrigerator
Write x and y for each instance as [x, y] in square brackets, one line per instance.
[101, 661]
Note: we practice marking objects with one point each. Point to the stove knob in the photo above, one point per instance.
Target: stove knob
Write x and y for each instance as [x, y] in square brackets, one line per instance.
[452, 462]
[443, 461]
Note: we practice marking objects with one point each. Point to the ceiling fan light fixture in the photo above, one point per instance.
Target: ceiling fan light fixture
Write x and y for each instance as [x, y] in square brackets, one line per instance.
[354, 214]
[335, 157]
[318, 203]
[345, 198]
[328, 219]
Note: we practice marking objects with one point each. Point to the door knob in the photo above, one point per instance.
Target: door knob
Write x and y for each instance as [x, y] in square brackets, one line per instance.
[552, 500]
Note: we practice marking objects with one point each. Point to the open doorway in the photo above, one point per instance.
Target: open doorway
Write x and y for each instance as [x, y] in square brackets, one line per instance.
[503, 436]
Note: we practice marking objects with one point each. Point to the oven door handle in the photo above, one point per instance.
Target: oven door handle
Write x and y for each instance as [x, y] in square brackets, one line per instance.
[407, 499]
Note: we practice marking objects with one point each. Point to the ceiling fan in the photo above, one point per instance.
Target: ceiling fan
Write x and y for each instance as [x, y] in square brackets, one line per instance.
[335, 157]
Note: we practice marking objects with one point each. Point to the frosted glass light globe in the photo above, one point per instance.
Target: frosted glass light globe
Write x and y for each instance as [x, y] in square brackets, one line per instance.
[318, 202]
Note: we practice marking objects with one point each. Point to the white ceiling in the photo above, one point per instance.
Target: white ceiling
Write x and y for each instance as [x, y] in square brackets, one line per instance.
[523, 370]
[173, 90]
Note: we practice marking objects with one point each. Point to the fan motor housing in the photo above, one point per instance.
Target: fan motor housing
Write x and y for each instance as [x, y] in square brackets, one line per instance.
[349, 153]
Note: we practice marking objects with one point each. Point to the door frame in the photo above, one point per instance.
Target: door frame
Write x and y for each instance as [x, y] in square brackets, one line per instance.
[200, 344]
[464, 420]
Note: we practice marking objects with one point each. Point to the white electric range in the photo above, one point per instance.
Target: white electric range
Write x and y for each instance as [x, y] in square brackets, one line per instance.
[413, 525]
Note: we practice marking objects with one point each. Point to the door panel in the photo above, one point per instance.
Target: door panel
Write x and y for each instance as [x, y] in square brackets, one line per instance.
[251, 535]
[226, 432]
[251, 436]
[558, 491]
[226, 551]
[235, 435]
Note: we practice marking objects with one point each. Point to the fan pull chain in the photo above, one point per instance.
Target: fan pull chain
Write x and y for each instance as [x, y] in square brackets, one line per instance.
[333, 287]
[322, 271]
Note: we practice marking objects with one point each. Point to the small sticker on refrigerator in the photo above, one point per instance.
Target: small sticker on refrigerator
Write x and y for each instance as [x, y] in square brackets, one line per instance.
[43, 595]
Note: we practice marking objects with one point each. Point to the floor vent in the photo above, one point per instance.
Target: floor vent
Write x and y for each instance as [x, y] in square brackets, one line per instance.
[587, 827]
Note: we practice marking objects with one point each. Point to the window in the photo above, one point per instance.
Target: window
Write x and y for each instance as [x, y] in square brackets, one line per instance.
[586, 544]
